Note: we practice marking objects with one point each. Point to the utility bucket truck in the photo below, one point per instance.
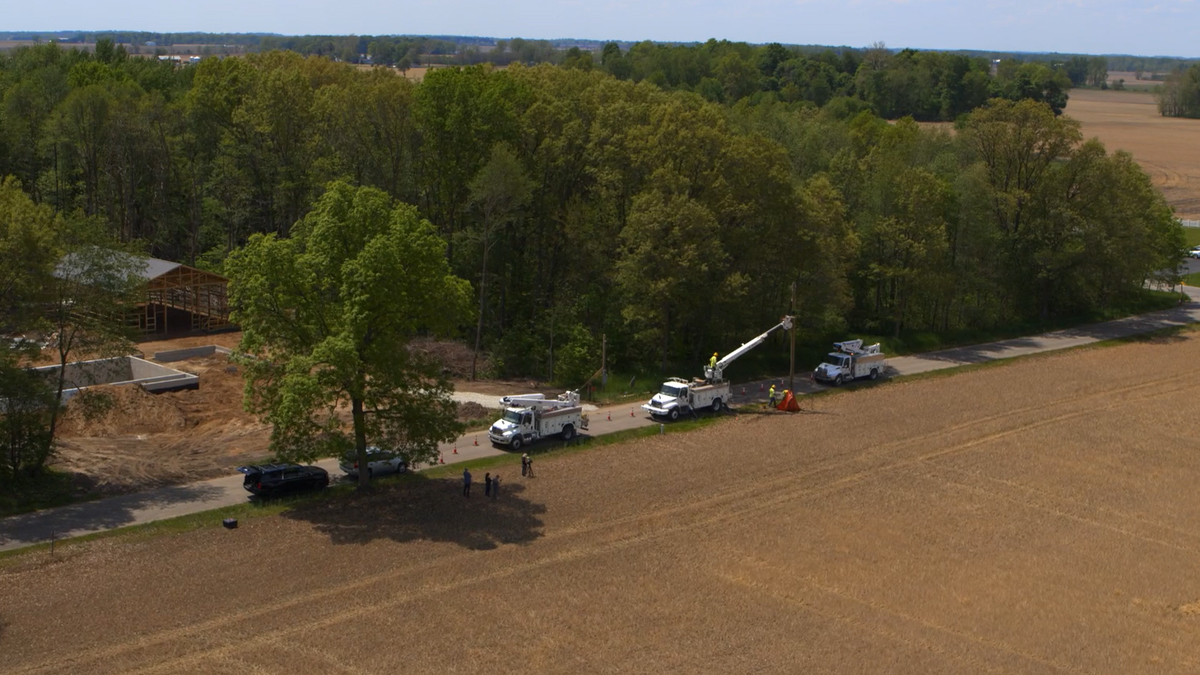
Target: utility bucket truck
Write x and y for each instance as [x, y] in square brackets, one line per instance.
[678, 396]
[851, 361]
[531, 417]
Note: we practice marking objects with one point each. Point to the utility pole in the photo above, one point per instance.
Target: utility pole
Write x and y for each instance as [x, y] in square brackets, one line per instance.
[603, 361]
[792, 369]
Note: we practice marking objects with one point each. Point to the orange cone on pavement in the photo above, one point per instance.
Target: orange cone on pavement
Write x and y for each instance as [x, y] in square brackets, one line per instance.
[440, 460]
[609, 417]
[631, 412]
[476, 440]
[760, 386]
[456, 449]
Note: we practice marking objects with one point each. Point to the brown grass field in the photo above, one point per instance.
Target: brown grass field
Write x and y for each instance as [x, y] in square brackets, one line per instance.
[1166, 147]
[1038, 517]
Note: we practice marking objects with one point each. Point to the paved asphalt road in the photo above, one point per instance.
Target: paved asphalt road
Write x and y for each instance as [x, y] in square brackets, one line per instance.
[168, 502]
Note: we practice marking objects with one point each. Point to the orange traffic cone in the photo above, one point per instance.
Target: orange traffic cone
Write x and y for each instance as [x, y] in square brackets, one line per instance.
[609, 417]
[743, 391]
[456, 449]
[440, 460]
[631, 412]
[476, 440]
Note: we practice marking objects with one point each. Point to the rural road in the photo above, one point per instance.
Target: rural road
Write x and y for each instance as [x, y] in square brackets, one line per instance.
[168, 502]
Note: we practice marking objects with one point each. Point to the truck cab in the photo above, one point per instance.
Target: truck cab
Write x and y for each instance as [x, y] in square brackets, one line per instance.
[515, 423]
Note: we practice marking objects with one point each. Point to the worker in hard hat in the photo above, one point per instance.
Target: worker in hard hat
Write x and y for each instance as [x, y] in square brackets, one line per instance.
[712, 363]
[771, 396]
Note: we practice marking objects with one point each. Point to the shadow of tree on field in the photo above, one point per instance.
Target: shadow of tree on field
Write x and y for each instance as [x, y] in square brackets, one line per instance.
[430, 509]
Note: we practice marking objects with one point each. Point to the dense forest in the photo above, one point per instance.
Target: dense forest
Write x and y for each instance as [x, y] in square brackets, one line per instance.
[666, 196]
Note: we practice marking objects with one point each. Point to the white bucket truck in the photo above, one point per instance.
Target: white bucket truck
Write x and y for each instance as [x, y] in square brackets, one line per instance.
[851, 361]
[678, 396]
[531, 417]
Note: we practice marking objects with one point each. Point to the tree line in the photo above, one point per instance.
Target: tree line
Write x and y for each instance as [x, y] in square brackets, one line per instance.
[574, 202]
[576, 189]
[1179, 95]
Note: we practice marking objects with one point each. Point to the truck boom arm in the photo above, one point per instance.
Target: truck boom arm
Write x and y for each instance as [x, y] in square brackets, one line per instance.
[716, 373]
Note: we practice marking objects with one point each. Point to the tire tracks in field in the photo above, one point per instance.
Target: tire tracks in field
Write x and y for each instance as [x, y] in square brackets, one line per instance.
[640, 522]
[977, 664]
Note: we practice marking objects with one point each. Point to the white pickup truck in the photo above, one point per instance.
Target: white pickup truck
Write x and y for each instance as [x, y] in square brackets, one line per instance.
[678, 396]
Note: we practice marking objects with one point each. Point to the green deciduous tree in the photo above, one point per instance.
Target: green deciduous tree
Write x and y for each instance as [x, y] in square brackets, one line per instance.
[327, 315]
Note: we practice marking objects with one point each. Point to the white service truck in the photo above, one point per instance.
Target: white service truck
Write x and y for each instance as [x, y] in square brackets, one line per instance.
[851, 361]
[531, 417]
[678, 396]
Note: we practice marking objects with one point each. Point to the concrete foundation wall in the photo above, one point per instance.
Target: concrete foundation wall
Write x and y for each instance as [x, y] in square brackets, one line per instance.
[118, 371]
[190, 353]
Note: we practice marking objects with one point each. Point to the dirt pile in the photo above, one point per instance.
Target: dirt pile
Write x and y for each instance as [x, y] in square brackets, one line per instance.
[455, 357]
[471, 411]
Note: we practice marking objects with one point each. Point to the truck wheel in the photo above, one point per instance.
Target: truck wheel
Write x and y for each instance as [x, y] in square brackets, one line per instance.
[568, 432]
[716, 405]
[874, 373]
[516, 443]
[674, 414]
[838, 382]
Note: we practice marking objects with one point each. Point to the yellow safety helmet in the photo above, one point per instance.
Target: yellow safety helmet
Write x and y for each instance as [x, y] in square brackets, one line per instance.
[714, 353]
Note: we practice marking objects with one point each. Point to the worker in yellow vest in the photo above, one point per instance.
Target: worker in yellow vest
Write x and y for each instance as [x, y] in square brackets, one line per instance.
[712, 363]
[771, 396]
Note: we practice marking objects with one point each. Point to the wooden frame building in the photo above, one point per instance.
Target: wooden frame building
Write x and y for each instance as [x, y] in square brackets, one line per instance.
[182, 298]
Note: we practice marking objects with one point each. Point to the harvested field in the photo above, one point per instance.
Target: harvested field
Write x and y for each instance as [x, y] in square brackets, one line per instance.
[1164, 146]
[1039, 517]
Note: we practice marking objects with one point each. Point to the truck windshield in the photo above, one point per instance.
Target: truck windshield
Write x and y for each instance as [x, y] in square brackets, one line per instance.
[512, 416]
[673, 390]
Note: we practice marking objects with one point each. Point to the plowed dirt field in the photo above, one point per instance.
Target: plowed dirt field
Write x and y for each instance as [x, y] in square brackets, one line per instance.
[1166, 147]
[1039, 517]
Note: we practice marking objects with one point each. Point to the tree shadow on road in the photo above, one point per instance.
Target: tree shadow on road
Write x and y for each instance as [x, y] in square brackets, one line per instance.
[41, 526]
[431, 509]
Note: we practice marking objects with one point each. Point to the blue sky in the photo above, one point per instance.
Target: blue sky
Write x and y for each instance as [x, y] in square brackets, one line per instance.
[1151, 27]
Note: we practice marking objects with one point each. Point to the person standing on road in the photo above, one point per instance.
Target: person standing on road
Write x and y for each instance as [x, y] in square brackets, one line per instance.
[496, 486]
[487, 484]
[466, 482]
[524, 464]
[771, 397]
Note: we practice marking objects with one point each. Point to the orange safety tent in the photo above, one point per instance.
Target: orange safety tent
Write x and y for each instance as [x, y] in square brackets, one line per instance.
[789, 403]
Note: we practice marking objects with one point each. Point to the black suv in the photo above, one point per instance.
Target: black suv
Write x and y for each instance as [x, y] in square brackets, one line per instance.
[278, 479]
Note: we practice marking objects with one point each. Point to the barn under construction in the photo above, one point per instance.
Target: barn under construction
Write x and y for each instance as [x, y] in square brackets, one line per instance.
[171, 298]
[179, 299]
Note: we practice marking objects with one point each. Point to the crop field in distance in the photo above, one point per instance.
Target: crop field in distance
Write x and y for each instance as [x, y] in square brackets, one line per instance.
[1166, 147]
